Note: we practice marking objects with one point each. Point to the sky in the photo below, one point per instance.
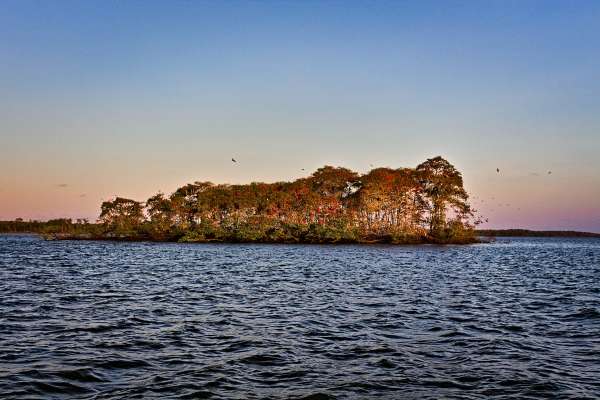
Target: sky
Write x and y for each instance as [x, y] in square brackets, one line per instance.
[105, 98]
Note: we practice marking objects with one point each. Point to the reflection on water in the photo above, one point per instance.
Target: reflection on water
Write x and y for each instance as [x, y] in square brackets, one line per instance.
[516, 318]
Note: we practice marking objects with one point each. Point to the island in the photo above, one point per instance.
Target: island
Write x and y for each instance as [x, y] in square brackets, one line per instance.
[426, 204]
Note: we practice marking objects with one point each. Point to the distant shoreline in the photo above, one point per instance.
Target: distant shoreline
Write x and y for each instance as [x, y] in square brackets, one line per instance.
[533, 233]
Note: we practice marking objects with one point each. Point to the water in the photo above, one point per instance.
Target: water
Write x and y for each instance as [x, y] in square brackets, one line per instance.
[519, 318]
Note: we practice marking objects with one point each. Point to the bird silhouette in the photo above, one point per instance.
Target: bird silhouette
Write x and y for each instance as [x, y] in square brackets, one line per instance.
[301, 169]
[233, 159]
[549, 172]
[498, 170]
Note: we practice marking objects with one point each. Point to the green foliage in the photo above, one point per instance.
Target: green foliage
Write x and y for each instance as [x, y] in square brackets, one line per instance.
[336, 231]
[122, 217]
[454, 231]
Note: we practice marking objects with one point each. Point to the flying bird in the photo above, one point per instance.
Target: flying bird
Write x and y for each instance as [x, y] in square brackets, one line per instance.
[233, 159]
[549, 172]
[498, 170]
[301, 169]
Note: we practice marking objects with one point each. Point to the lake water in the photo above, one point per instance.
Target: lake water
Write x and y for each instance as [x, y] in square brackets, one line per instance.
[518, 318]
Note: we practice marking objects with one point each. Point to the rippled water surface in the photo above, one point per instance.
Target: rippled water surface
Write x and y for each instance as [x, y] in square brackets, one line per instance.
[518, 318]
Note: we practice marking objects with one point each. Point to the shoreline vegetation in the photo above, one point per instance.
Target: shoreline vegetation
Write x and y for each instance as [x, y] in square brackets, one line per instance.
[421, 205]
[66, 228]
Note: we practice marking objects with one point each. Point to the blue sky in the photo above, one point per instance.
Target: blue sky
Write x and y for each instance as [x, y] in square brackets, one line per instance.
[129, 97]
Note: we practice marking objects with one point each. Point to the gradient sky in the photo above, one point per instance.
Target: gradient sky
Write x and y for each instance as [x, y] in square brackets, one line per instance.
[132, 97]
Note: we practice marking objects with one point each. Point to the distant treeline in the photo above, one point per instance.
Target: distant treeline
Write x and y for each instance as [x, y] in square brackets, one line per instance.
[526, 232]
[60, 225]
[426, 204]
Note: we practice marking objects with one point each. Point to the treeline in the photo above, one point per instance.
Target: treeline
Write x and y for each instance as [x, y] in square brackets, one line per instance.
[333, 205]
[530, 233]
[59, 225]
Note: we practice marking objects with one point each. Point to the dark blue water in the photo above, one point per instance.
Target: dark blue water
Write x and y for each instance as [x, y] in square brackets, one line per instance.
[519, 318]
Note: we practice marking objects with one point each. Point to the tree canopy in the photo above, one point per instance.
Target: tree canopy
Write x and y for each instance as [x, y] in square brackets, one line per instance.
[334, 204]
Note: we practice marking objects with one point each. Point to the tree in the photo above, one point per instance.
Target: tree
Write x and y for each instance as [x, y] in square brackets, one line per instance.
[161, 216]
[443, 188]
[121, 215]
[331, 185]
[332, 181]
[388, 201]
[184, 202]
